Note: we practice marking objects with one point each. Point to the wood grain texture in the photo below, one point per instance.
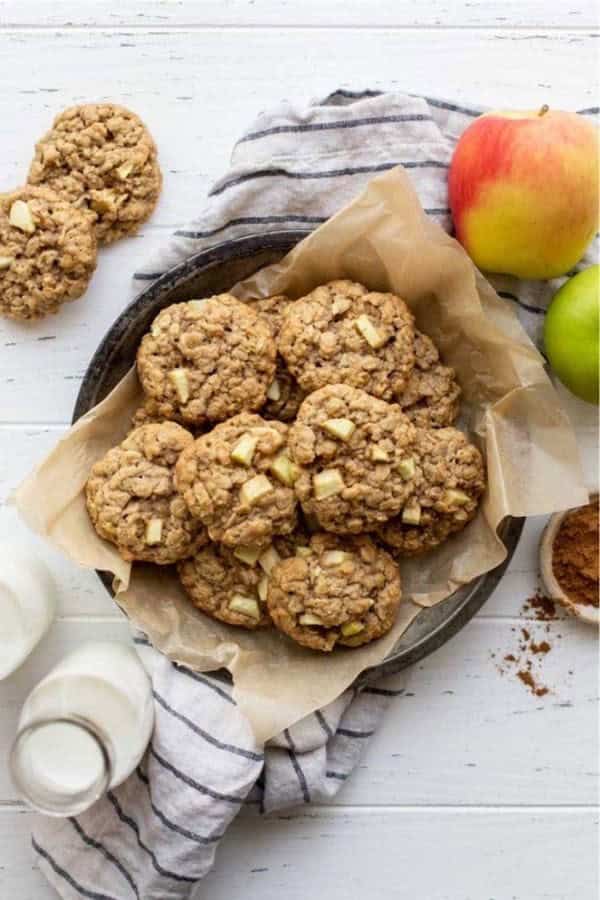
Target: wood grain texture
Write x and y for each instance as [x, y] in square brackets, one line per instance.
[291, 13]
[481, 854]
[500, 785]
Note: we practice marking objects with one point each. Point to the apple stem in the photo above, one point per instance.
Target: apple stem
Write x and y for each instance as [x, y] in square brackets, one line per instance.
[545, 108]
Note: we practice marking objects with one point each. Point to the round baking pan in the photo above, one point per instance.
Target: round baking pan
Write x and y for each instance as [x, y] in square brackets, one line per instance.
[215, 271]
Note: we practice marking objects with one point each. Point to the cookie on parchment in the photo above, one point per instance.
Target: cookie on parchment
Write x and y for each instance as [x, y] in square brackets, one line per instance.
[355, 456]
[431, 396]
[342, 591]
[48, 252]
[102, 158]
[450, 480]
[224, 587]
[237, 479]
[343, 333]
[206, 360]
[132, 501]
[231, 584]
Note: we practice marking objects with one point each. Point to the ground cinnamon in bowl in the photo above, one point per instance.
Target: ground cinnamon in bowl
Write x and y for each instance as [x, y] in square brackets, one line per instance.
[575, 555]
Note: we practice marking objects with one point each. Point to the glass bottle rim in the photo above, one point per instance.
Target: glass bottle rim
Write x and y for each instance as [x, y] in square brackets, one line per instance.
[44, 801]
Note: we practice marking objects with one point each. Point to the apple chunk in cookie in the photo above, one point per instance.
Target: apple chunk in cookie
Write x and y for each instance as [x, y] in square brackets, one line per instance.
[132, 501]
[343, 333]
[238, 480]
[206, 360]
[340, 591]
[355, 456]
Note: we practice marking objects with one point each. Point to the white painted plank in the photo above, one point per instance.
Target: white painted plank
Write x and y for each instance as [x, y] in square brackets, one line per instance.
[462, 734]
[405, 854]
[206, 86]
[290, 13]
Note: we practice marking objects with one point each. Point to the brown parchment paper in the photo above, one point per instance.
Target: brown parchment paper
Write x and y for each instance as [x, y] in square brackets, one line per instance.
[384, 240]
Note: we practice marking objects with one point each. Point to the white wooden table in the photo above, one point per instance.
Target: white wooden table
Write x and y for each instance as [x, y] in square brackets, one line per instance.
[474, 789]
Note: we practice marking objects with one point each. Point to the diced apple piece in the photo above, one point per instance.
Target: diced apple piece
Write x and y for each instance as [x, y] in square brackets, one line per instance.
[334, 558]
[247, 606]
[310, 619]
[125, 170]
[179, 380]
[328, 483]
[378, 454]
[406, 467]
[456, 498]
[20, 217]
[255, 489]
[248, 554]
[349, 629]
[284, 469]
[303, 551]
[103, 201]
[340, 305]
[263, 589]
[411, 514]
[6, 262]
[243, 452]
[342, 429]
[274, 392]
[154, 531]
[269, 558]
[367, 329]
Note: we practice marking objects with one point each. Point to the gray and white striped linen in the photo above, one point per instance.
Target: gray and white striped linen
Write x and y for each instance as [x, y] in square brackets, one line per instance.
[155, 836]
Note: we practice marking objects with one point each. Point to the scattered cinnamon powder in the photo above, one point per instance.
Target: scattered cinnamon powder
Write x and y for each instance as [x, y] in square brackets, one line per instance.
[541, 606]
[575, 555]
[525, 661]
[529, 681]
[542, 647]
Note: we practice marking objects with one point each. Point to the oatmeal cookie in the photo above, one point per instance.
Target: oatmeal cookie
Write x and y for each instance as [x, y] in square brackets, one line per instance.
[132, 501]
[237, 480]
[231, 585]
[206, 360]
[102, 158]
[342, 333]
[284, 395]
[355, 455]
[450, 481]
[431, 395]
[344, 591]
[47, 252]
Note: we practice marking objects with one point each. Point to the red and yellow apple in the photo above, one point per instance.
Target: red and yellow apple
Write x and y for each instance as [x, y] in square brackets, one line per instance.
[524, 191]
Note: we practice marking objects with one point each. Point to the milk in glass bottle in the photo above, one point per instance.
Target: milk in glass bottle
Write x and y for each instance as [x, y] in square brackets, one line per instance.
[83, 729]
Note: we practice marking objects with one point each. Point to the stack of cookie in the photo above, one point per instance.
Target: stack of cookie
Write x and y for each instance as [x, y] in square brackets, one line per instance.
[94, 179]
[287, 456]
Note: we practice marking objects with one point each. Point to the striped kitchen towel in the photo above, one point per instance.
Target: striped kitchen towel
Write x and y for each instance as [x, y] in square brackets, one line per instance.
[155, 836]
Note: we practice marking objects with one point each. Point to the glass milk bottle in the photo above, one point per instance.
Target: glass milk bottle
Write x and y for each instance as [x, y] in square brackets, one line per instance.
[83, 729]
[27, 604]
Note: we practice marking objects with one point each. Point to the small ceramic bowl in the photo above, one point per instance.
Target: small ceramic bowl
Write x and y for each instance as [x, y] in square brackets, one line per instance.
[583, 611]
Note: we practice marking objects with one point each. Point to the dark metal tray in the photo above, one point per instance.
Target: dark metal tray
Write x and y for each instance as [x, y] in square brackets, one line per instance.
[215, 271]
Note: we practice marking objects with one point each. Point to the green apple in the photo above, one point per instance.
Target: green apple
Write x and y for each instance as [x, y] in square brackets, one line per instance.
[571, 333]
